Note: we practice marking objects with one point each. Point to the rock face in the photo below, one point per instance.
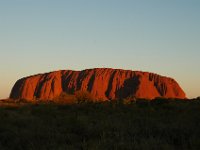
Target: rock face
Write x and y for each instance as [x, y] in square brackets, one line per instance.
[102, 83]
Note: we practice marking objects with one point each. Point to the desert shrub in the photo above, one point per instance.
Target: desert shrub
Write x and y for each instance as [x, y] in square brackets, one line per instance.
[142, 102]
[159, 101]
[83, 97]
[65, 98]
[198, 98]
[129, 100]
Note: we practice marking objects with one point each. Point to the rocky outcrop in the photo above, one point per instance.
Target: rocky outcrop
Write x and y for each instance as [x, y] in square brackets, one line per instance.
[102, 83]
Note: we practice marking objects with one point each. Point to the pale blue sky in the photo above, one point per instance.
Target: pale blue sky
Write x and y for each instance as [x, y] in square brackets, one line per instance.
[161, 36]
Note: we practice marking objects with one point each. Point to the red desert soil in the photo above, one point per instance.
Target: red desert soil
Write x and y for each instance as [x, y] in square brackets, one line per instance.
[102, 83]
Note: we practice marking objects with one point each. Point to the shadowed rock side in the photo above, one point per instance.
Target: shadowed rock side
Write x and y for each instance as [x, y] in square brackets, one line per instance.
[102, 83]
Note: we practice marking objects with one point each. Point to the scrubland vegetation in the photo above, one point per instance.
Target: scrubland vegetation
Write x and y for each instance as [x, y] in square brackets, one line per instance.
[121, 125]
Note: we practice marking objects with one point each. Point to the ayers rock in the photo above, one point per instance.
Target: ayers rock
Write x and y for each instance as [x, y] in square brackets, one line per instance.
[102, 83]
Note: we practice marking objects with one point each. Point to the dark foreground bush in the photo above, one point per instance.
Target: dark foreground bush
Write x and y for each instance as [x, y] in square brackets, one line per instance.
[101, 126]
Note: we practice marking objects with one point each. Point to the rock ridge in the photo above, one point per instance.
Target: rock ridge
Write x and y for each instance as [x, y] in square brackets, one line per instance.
[102, 83]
